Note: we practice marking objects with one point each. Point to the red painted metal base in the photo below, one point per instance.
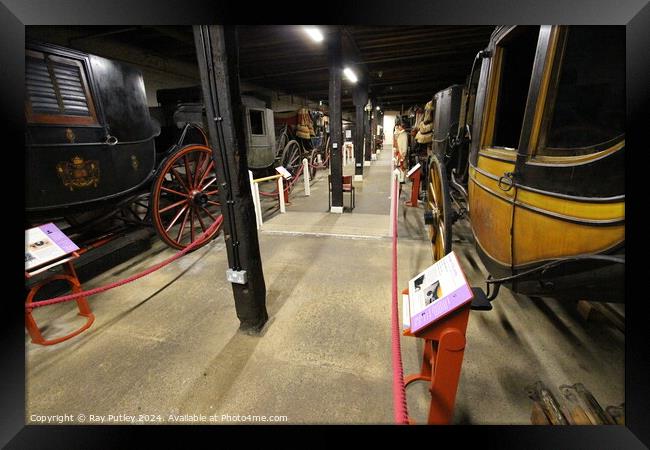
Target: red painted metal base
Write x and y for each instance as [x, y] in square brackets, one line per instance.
[70, 276]
[415, 189]
[444, 347]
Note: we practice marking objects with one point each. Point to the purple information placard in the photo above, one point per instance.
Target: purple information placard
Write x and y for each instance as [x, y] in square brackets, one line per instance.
[46, 244]
[435, 292]
[60, 239]
[441, 307]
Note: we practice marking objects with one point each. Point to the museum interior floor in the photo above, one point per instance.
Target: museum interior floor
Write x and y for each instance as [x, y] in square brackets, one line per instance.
[168, 343]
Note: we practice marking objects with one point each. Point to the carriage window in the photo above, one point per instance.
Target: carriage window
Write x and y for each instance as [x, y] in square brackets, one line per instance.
[589, 107]
[257, 121]
[57, 91]
[517, 57]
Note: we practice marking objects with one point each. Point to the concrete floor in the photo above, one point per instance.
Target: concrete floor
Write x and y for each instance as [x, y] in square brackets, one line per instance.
[168, 344]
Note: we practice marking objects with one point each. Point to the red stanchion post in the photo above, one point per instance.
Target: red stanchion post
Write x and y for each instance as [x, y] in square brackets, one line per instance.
[415, 189]
[442, 359]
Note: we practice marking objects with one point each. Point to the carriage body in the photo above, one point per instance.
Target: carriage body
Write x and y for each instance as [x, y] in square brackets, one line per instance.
[259, 126]
[539, 161]
[260, 133]
[546, 166]
[89, 137]
[445, 121]
[92, 156]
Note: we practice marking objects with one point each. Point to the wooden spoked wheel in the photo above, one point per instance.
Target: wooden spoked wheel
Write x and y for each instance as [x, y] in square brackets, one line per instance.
[292, 158]
[184, 198]
[438, 209]
[312, 163]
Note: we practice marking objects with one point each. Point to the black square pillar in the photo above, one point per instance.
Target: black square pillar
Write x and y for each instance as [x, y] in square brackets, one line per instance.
[360, 99]
[336, 125]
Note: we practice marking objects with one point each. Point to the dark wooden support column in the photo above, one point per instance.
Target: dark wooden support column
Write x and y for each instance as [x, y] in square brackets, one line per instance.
[217, 54]
[370, 142]
[336, 126]
[360, 99]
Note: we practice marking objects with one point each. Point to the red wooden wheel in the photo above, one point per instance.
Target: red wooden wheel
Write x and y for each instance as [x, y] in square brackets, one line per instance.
[184, 198]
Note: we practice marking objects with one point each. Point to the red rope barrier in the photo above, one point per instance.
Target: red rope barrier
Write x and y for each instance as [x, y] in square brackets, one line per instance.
[400, 412]
[97, 290]
[295, 178]
[287, 187]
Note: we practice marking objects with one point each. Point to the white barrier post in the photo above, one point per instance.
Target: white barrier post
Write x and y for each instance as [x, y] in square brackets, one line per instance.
[259, 204]
[256, 200]
[305, 176]
[281, 194]
[393, 181]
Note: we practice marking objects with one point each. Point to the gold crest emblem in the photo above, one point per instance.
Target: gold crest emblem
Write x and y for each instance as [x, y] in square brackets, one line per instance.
[78, 173]
[134, 162]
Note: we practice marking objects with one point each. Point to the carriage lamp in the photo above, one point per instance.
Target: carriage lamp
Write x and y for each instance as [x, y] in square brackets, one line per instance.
[350, 75]
[314, 33]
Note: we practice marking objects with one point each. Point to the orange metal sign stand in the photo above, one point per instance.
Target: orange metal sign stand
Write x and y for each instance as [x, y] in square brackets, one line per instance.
[69, 275]
[444, 347]
[415, 189]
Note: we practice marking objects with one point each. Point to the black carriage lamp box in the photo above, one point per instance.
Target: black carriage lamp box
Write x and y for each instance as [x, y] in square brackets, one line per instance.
[46, 245]
[434, 293]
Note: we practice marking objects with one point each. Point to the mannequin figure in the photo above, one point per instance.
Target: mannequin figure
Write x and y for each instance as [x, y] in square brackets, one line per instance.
[424, 135]
[401, 149]
[424, 139]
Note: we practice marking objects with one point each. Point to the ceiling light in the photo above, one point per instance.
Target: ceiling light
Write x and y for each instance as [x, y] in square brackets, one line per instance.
[314, 33]
[350, 75]
[378, 108]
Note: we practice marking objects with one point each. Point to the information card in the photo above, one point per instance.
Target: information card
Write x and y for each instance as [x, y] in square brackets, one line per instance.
[434, 293]
[46, 244]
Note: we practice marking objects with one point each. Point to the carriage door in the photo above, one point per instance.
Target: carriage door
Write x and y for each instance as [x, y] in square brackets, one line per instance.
[571, 178]
[492, 186]
[260, 137]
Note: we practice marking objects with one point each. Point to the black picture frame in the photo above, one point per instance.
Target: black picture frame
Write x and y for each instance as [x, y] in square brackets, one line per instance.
[15, 14]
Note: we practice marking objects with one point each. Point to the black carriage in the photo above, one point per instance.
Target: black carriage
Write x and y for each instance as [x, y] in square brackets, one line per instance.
[91, 152]
[302, 134]
[271, 137]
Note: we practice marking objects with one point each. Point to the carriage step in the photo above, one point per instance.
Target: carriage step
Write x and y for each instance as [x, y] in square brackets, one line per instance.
[480, 301]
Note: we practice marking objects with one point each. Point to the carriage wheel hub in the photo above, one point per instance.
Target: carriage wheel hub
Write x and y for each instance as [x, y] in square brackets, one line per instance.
[199, 198]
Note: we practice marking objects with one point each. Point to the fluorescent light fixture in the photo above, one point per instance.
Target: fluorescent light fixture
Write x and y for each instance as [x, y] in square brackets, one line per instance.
[350, 75]
[314, 33]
